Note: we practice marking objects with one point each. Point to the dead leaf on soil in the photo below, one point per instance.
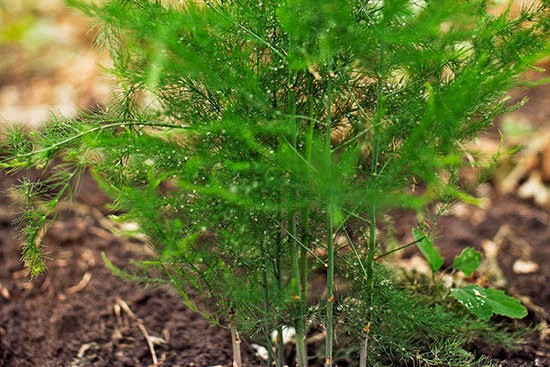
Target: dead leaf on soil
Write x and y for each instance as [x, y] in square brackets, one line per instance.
[415, 263]
[489, 266]
[157, 340]
[476, 214]
[166, 335]
[260, 351]
[4, 292]
[88, 257]
[531, 174]
[535, 189]
[525, 267]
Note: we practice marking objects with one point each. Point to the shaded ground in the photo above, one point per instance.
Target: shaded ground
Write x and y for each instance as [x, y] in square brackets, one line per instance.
[509, 232]
[77, 315]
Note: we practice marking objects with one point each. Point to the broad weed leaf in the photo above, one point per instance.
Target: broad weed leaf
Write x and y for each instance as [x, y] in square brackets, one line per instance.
[504, 305]
[474, 299]
[468, 261]
[485, 302]
[428, 249]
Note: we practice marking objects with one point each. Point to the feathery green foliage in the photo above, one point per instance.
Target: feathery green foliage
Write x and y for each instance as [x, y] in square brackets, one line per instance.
[246, 135]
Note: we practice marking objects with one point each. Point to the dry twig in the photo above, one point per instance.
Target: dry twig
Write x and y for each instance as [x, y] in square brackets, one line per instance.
[82, 284]
[124, 306]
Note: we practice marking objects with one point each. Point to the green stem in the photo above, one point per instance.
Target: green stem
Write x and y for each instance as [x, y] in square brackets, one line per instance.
[305, 215]
[279, 359]
[370, 253]
[400, 248]
[301, 344]
[296, 270]
[374, 172]
[280, 347]
[330, 290]
[374, 187]
[330, 237]
[81, 134]
[267, 307]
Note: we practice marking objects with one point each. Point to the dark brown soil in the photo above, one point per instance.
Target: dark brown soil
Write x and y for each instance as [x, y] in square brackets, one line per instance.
[63, 319]
[517, 231]
[73, 315]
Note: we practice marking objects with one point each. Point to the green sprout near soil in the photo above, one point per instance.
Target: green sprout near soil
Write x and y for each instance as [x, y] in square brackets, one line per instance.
[257, 144]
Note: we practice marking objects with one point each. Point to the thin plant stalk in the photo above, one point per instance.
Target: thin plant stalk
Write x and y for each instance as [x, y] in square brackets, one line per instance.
[372, 220]
[330, 241]
[267, 297]
[236, 345]
[301, 343]
[296, 271]
[374, 174]
[301, 350]
[330, 292]
[363, 353]
[370, 252]
[279, 343]
[305, 215]
[280, 346]
[364, 349]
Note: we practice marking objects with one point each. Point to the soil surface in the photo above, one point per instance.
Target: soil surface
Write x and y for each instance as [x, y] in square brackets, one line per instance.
[81, 315]
[513, 236]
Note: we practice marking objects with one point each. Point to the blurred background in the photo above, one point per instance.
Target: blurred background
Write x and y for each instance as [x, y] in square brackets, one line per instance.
[47, 63]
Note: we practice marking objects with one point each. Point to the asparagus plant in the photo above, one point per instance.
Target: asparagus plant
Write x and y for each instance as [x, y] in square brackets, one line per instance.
[245, 136]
